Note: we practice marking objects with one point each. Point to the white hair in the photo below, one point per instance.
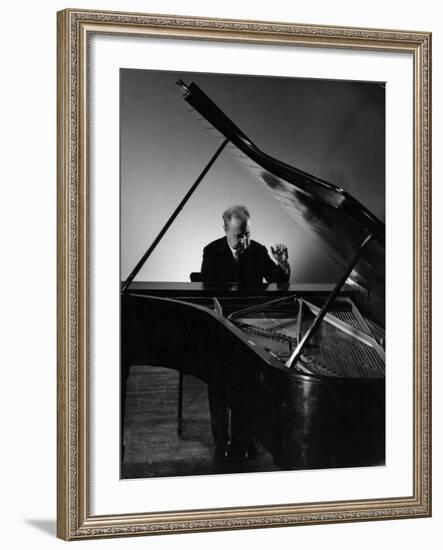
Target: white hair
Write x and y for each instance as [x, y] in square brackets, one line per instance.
[236, 211]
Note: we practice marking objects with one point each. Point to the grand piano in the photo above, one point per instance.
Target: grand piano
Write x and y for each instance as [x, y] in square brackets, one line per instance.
[304, 364]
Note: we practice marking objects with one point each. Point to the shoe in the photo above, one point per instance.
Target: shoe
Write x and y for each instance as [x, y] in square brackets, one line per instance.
[230, 453]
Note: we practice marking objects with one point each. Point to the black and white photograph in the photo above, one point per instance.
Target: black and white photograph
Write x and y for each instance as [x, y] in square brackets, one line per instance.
[252, 267]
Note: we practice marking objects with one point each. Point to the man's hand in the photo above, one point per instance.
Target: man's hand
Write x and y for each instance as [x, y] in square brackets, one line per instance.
[280, 255]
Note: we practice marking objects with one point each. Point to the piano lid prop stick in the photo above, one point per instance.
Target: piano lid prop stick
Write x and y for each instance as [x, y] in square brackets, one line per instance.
[172, 218]
[308, 335]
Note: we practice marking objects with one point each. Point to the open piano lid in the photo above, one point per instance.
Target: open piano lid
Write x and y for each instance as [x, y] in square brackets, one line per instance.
[338, 221]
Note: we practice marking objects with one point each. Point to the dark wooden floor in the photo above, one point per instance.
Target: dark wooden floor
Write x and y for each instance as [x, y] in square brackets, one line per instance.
[152, 445]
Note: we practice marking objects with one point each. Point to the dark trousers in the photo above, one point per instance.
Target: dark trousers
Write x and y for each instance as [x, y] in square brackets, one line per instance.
[230, 424]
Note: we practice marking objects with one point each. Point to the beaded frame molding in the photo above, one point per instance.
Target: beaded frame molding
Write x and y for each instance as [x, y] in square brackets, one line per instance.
[74, 518]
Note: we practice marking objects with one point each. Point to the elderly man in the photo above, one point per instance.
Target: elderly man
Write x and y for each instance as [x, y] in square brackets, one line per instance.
[237, 258]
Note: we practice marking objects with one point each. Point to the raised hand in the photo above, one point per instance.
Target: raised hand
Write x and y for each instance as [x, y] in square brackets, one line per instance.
[280, 255]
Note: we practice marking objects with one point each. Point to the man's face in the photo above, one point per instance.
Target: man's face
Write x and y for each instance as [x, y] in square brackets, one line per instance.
[238, 233]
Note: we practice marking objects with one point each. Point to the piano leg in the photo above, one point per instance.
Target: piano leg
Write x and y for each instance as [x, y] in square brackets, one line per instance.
[180, 404]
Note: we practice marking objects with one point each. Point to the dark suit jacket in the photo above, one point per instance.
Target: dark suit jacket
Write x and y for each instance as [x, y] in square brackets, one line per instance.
[251, 267]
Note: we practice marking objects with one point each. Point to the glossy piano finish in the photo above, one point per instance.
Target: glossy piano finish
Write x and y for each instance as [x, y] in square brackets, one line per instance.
[309, 422]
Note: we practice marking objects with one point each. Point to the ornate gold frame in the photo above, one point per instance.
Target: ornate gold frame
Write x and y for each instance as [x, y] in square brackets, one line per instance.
[73, 515]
